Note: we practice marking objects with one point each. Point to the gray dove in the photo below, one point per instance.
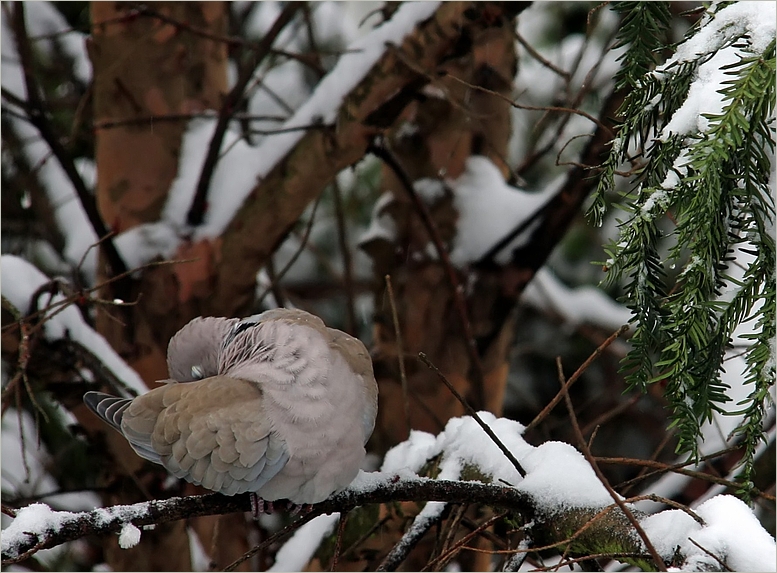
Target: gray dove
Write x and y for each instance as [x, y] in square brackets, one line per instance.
[277, 404]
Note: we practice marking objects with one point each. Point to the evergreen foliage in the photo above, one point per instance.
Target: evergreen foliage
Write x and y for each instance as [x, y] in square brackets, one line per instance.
[709, 185]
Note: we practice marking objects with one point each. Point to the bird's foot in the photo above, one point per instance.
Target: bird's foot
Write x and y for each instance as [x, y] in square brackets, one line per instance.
[299, 509]
[259, 506]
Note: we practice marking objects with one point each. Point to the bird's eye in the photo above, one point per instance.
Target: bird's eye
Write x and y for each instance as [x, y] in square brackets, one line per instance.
[197, 372]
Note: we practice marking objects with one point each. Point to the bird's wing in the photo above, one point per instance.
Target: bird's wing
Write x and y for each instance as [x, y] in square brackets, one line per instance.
[111, 409]
[211, 432]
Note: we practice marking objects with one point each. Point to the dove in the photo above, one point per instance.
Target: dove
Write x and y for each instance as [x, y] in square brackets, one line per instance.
[277, 405]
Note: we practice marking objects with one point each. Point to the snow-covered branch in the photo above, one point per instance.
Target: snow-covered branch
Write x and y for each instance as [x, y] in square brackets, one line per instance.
[37, 527]
[561, 501]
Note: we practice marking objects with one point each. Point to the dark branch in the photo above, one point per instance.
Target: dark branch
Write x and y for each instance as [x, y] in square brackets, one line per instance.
[230, 105]
[385, 155]
[38, 116]
[111, 520]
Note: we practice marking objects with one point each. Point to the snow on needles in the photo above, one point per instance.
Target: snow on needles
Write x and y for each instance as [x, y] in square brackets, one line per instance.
[756, 20]
[21, 280]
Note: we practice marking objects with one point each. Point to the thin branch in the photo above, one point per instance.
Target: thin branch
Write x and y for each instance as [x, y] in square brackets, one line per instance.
[366, 535]
[339, 540]
[160, 118]
[197, 209]
[539, 57]
[38, 116]
[478, 379]
[508, 454]
[666, 468]
[420, 526]
[711, 554]
[572, 379]
[110, 520]
[443, 559]
[400, 352]
[297, 253]
[590, 458]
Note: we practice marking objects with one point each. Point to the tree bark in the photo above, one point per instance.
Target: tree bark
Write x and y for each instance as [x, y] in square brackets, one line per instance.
[144, 68]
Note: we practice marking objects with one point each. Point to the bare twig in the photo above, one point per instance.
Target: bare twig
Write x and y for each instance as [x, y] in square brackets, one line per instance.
[517, 105]
[38, 116]
[443, 559]
[572, 379]
[345, 252]
[666, 468]
[161, 118]
[339, 540]
[544, 61]
[711, 554]
[197, 209]
[366, 535]
[478, 378]
[420, 526]
[592, 461]
[508, 454]
[400, 351]
[297, 253]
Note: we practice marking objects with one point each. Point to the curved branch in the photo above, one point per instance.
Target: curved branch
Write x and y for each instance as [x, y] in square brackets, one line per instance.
[197, 209]
[19, 542]
[37, 527]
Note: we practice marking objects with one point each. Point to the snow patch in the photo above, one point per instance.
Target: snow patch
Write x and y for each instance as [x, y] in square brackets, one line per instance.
[129, 536]
[299, 549]
[488, 210]
[21, 280]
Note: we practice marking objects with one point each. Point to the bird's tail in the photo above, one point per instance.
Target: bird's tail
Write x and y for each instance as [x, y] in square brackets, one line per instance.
[109, 408]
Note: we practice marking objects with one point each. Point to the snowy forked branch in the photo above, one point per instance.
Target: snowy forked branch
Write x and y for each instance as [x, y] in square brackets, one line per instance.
[38, 527]
[559, 504]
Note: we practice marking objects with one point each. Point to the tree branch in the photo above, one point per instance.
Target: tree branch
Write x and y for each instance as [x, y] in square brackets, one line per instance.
[43, 529]
[277, 201]
[38, 116]
[17, 544]
[197, 209]
[384, 154]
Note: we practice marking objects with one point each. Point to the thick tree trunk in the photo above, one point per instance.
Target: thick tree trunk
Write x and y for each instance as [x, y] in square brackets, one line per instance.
[146, 68]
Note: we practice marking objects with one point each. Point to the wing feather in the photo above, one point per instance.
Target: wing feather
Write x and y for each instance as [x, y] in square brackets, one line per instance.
[210, 432]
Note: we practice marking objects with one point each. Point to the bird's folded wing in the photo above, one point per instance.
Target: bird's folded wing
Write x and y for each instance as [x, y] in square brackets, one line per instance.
[212, 433]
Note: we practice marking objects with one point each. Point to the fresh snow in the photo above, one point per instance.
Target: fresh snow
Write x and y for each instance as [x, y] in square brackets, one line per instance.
[558, 478]
[579, 305]
[21, 280]
[129, 536]
[299, 549]
[754, 19]
[731, 532]
[488, 210]
[36, 518]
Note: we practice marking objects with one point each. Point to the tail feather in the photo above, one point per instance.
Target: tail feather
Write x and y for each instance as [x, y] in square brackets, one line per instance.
[109, 408]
